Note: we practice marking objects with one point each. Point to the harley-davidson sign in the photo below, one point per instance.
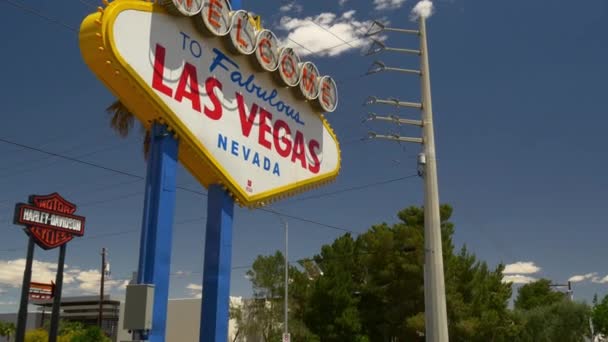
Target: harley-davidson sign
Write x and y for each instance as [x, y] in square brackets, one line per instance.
[49, 220]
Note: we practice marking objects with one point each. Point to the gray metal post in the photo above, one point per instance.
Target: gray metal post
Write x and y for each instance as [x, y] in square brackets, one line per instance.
[434, 286]
[57, 299]
[286, 299]
[101, 288]
[25, 292]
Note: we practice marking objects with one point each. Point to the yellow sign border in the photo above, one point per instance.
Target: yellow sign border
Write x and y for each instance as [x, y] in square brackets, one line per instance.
[98, 50]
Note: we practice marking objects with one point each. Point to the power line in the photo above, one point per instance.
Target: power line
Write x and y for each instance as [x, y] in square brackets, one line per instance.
[114, 199]
[55, 21]
[29, 167]
[354, 188]
[124, 173]
[75, 160]
[327, 48]
[302, 46]
[40, 14]
[116, 233]
[73, 29]
[333, 34]
[52, 20]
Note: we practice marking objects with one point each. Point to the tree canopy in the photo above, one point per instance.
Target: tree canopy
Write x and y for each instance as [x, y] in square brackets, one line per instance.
[537, 294]
[371, 288]
[600, 316]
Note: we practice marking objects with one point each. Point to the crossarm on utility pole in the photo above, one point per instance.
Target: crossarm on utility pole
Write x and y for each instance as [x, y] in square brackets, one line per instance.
[398, 138]
[410, 51]
[400, 103]
[406, 71]
[395, 119]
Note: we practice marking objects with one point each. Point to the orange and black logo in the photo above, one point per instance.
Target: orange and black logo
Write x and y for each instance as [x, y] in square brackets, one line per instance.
[49, 220]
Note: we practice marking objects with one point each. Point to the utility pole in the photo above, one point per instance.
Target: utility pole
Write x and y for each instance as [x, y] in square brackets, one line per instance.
[434, 282]
[103, 279]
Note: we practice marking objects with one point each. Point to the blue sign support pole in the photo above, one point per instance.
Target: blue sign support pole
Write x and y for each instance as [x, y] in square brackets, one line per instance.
[156, 233]
[216, 273]
[218, 254]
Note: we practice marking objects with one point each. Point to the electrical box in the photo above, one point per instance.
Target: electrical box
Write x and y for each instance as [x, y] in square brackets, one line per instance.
[139, 303]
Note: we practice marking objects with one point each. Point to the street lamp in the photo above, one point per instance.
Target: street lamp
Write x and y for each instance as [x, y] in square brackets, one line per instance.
[286, 301]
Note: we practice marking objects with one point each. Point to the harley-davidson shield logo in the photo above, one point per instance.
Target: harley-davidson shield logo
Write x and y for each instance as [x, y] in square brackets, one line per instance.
[50, 220]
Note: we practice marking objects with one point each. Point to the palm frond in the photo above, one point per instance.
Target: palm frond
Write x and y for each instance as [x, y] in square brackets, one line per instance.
[122, 119]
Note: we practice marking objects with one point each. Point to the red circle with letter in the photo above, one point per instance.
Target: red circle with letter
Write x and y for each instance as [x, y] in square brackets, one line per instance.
[242, 34]
[309, 80]
[216, 16]
[188, 8]
[289, 67]
[328, 94]
[267, 52]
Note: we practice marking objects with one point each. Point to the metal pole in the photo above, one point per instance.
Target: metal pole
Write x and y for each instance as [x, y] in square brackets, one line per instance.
[434, 287]
[286, 328]
[410, 51]
[103, 278]
[215, 304]
[57, 298]
[416, 32]
[156, 234]
[216, 273]
[25, 289]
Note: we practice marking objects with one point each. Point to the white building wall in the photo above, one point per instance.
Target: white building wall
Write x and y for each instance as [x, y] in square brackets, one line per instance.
[183, 320]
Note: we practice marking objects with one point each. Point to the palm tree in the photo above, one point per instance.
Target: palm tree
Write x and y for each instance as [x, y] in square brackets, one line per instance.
[7, 329]
[123, 121]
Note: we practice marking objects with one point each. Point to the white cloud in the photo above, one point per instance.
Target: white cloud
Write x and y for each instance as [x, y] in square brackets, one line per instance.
[599, 280]
[87, 281]
[195, 290]
[328, 34]
[43, 272]
[195, 287]
[388, 4]
[521, 267]
[348, 14]
[582, 277]
[424, 8]
[291, 6]
[518, 279]
[342, 2]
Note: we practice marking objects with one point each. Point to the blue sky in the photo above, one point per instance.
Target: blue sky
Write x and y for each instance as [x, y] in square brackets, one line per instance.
[519, 92]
